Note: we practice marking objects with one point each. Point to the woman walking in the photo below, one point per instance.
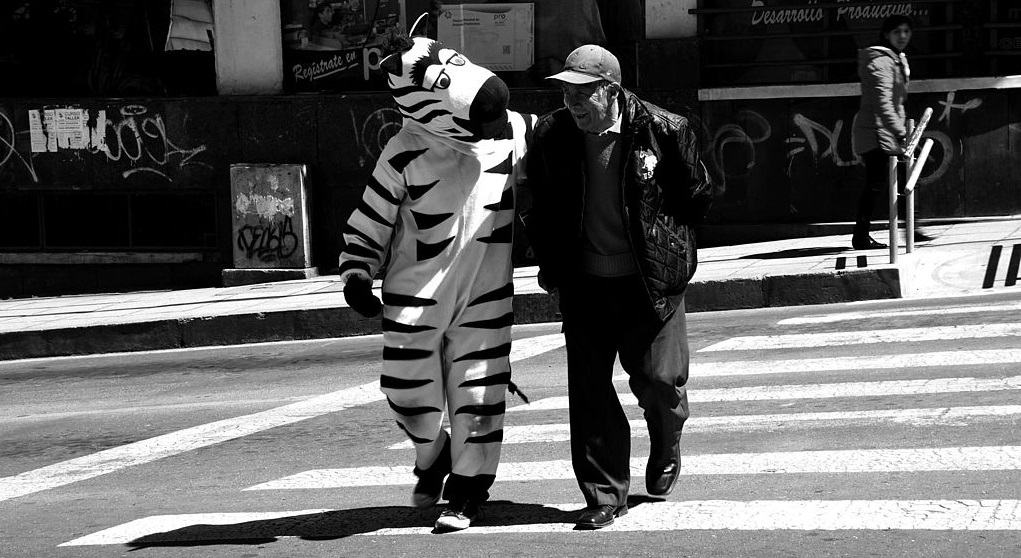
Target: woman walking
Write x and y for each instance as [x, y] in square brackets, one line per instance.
[880, 127]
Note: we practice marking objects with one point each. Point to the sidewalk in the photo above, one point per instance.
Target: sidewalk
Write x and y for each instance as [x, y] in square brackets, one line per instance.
[811, 270]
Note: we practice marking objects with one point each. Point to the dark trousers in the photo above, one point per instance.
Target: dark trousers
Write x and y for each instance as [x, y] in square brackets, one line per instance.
[604, 318]
[877, 187]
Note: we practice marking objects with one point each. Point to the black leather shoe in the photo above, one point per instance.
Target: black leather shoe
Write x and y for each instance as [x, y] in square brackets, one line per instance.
[922, 237]
[866, 244]
[598, 517]
[661, 477]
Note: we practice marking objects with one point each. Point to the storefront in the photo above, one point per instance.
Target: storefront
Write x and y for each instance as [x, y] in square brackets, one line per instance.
[117, 134]
[331, 45]
[779, 93]
[749, 42]
[115, 148]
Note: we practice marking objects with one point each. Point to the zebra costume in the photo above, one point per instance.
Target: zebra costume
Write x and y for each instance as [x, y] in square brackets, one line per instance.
[440, 205]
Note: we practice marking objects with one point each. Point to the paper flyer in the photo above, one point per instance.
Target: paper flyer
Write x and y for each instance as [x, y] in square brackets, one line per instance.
[70, 124]
[49, 124]
[36, 132]
[499, 37]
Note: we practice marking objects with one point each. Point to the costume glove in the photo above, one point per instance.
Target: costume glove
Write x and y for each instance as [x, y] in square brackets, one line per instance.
[358, 294]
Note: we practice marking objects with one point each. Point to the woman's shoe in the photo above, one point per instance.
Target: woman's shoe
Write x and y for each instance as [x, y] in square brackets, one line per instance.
[866, 243]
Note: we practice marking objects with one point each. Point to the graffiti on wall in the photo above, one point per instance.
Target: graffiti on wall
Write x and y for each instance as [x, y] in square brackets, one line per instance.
[141, 138]
[374, 131]
[730, 149]
[270, 217]
[268, 243]
[135, 136]
[9, 155]
[822, 143]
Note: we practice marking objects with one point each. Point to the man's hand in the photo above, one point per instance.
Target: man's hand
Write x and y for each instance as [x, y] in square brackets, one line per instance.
[358, 294]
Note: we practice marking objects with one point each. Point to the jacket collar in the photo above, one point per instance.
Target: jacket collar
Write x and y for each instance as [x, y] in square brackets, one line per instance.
[636, 114]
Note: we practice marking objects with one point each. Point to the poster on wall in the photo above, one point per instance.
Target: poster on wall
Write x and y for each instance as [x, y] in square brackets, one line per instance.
[336, 45]
[496, 36]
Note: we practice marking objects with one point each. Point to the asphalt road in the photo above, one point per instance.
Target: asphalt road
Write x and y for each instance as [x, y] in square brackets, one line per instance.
[870, 429]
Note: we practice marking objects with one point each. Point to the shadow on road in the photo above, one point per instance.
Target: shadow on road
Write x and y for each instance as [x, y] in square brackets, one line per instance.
[339, 524]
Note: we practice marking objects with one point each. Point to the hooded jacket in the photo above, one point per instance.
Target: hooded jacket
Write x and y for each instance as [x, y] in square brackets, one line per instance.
[665, 191]
[881, 121]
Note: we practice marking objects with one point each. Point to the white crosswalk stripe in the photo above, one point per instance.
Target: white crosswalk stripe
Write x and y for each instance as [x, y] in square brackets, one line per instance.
[893, 362]
[932, 397]
[813, 391]
[755, 515]
[845, 461]
[937, 416]
[842, 338]
[152, 449]
[852, 316]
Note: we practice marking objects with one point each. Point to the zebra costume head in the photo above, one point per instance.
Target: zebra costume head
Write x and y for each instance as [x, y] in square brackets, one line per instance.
[440, 89]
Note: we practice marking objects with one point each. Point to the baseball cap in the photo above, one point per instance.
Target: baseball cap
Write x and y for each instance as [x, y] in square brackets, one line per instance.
[589, 63]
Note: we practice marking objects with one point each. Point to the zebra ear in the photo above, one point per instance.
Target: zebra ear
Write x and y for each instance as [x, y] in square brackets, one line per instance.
[421, 18]
[393, 64]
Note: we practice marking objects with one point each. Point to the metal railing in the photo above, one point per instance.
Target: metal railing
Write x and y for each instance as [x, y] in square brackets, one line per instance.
[914, 171]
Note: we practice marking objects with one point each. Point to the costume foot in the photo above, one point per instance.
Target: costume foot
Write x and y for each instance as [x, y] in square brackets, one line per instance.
[430, 481]
[458, 516]
[598, 517]
[866, 244]
[661, 473]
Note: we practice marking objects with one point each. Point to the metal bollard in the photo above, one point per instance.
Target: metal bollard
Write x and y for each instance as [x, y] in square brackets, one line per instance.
[914, 136]
[893, 208]
[914, 170]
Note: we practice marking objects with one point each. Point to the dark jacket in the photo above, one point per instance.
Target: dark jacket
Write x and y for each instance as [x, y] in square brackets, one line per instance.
[881, 122]
[664, 187]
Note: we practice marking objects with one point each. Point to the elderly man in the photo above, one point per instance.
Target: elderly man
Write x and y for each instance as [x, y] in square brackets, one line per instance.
[617, 184]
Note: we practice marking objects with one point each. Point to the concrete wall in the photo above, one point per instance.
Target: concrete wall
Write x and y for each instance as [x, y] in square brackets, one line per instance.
[669, 19]
[772, 160]
[786, 156]
[248, 46]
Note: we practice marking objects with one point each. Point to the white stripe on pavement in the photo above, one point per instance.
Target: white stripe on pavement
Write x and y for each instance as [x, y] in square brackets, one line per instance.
[144, 451]
[988, 458]
[841, 338]
[134, 530]
[953, 416]
[811, 391]
[700, 515]
[535, 346]
[831, 318]
[910, 360]
[181, 441]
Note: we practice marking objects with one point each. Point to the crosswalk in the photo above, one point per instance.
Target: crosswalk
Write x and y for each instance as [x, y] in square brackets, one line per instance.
[843, 399]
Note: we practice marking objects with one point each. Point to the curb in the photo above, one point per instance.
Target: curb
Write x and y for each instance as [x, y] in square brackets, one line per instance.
[292, 325]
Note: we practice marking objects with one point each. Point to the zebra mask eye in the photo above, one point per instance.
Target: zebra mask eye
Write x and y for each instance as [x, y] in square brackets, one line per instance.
[441, 90]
